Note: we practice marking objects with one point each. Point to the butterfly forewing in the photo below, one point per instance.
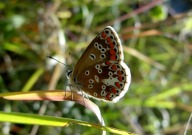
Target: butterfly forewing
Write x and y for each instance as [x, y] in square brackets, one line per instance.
[101, 72]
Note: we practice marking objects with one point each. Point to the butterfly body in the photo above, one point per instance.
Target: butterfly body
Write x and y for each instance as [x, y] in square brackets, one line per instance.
[100, 71]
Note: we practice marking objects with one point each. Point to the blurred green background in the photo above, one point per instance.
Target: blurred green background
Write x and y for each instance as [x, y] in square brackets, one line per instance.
[157, 41]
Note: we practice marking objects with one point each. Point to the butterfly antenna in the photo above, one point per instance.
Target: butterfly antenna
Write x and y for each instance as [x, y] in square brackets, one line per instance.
[58, 61]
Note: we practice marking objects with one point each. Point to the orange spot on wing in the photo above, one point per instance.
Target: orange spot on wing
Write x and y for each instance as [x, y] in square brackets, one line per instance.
[118, 84]
[103, 35]
[107, 97]
[112, 51]
[108, 63]
[111, 45]
[112, 57]
[120, 78]
[108, 39]
[119, 72]
[114, 66]
[113, 90]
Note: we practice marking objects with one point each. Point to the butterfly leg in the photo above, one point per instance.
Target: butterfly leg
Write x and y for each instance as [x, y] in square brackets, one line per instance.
[83, 96]
[68, 88]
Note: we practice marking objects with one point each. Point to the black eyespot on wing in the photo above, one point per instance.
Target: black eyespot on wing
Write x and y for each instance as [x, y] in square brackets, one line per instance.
[107, 31]
[115, 44]
[118, 66]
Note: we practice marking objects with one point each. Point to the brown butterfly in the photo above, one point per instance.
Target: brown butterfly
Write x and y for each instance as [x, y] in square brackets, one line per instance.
[101, 72]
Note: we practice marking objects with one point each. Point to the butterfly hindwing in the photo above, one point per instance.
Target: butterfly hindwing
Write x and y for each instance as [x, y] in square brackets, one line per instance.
[105, 81]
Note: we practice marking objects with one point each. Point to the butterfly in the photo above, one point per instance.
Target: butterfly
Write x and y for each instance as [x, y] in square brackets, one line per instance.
[101, 72]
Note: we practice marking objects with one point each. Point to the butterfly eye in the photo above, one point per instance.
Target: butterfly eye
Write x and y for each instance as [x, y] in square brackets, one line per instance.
[69, 72]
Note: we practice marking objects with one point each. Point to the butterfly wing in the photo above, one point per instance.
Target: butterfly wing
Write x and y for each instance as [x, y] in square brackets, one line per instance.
[100, 71]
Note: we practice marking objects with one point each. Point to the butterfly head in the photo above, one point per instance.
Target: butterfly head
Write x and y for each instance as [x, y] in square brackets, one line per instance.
[68, 73]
